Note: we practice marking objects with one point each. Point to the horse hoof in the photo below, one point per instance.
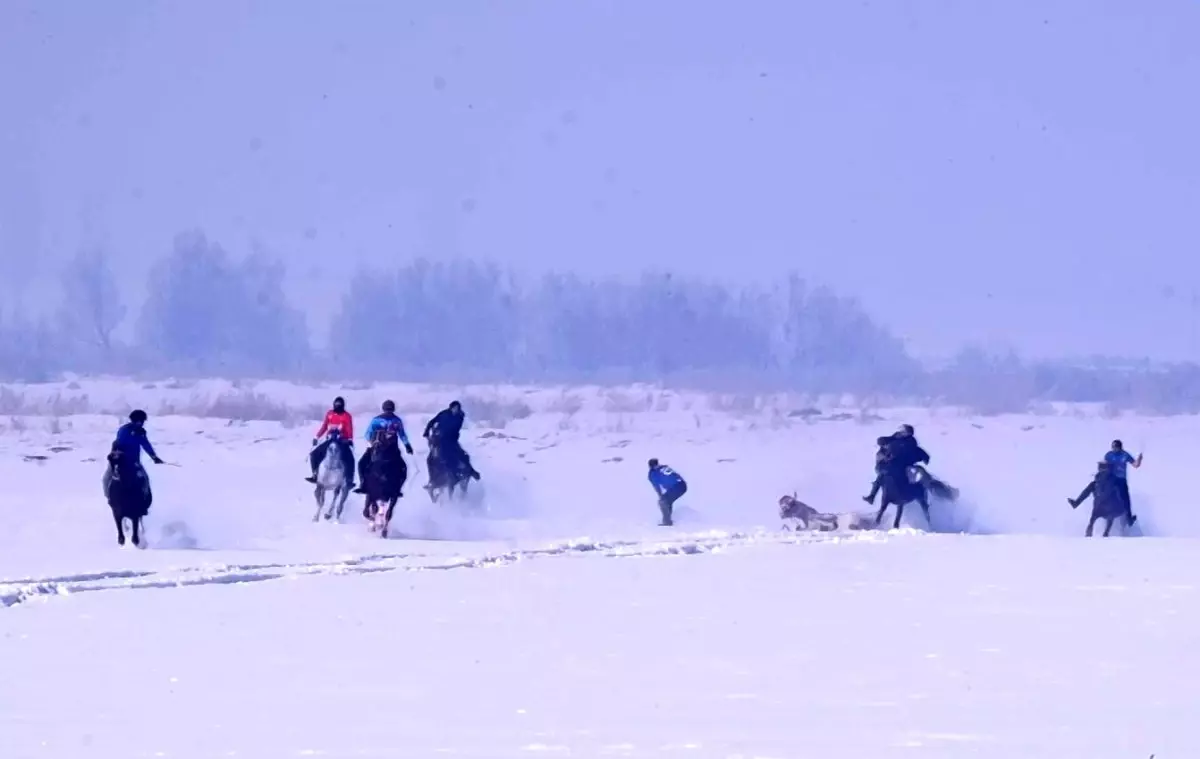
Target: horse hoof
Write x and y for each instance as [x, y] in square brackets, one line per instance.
[120, 540]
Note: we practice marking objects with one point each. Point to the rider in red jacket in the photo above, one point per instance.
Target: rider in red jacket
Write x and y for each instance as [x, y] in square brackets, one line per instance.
[336, 419]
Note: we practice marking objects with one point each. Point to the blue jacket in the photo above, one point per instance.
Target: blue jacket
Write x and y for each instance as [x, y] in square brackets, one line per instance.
[132, 440]
[384, 422]
[663, 478]
[1117, 462]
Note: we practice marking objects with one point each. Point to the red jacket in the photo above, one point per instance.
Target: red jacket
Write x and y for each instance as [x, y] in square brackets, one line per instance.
[342, 422]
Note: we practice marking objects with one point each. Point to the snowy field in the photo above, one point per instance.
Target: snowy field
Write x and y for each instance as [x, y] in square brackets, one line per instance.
[563, 621]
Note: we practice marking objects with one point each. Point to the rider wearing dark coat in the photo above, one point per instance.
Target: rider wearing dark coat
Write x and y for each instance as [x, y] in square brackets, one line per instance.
[882, 456]
[905, 450]
[897, 453]
[443, 431]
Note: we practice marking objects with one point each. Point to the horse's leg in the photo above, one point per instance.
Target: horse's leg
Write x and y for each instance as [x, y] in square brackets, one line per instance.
[1108, 524]
[387, 517]
[899, 514]
[340, 496]
[334, 500]
[884, 502]
[1091, 525]
[137, 531]
[120, 525]
[923, 499]
[319, 497]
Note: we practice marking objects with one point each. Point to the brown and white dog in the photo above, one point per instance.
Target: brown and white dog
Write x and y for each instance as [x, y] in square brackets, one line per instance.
[797, 515]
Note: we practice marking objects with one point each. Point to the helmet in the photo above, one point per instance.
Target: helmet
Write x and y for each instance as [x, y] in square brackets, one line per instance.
[137, 416]
[455, 406]
[907, 429]
[653, 463]
[1116, 444]
[389, 407]
[339, 402]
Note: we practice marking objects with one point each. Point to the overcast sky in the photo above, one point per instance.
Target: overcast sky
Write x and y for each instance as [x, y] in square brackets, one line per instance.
[1021, 173]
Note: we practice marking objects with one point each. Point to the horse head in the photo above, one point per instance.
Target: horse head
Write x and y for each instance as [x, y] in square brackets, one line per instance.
[336, 441]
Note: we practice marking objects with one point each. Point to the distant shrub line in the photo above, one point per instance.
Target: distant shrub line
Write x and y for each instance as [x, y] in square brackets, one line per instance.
[207, 314]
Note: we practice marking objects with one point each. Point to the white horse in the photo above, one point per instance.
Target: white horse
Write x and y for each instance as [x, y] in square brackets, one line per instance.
[332, 477]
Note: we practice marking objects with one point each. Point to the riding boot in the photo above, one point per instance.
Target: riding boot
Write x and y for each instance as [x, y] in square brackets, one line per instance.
[870, 497]
[362, 473]
[314, 461]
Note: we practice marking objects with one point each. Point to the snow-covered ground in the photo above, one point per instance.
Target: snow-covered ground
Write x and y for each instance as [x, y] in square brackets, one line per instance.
[565, 621]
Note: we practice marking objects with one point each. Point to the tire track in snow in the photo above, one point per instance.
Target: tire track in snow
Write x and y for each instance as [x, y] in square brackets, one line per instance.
[16, 592]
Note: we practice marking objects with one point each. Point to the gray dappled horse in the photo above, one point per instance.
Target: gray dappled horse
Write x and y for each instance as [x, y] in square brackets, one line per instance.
[332, 477]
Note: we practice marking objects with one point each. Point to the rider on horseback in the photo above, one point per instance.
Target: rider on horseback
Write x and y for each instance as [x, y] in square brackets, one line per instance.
[905, 448]
[442, 432]
[337, 420]
[897, 453]
[131, 441]
[384, 429]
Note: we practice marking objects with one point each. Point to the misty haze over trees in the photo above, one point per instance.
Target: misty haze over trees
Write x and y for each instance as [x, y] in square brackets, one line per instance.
[207, 313]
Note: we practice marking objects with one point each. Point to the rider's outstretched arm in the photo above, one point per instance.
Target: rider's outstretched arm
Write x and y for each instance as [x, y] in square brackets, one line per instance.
[144, 440]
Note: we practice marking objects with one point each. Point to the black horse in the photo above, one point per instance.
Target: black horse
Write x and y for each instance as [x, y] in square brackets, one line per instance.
[127, 490]
[901, 488]
[444, 477]
[386, 473]
[1107, 501]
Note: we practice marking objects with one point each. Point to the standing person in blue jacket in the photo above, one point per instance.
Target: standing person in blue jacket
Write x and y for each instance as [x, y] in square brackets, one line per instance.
[384, 422]
[670, 487]
[131, 441]
[1118, 460]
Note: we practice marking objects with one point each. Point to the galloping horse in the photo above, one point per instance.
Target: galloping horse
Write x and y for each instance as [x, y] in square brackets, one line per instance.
[386, 473]
[332, 477]
[901, 488]
[446, 478]
[127, 490]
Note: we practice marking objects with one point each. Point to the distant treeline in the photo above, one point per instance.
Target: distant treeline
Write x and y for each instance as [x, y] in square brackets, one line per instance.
[207, 314]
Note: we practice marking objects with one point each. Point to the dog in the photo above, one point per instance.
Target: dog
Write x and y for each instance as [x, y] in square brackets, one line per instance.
[798, 515]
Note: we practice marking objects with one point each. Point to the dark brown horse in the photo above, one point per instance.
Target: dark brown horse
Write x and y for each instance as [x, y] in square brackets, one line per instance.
[127, 490]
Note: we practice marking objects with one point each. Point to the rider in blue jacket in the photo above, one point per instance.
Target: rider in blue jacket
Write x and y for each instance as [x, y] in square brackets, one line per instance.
[384, 422]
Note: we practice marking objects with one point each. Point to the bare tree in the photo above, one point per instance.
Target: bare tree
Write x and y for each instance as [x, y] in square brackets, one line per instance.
[91, 309]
